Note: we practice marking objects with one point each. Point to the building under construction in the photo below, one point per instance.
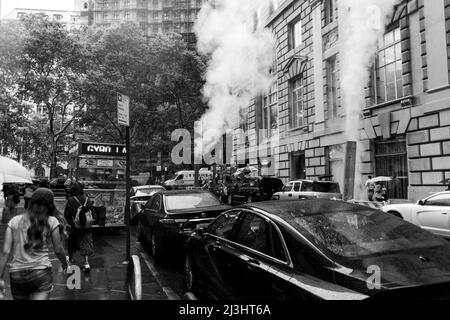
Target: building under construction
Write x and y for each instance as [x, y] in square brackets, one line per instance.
[153, 16]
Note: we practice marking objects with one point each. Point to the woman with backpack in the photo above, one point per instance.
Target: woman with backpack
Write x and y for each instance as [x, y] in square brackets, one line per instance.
[27, 238]
[78, 214]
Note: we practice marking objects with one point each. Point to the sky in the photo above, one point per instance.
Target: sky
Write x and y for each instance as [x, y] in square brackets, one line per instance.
[8, 5]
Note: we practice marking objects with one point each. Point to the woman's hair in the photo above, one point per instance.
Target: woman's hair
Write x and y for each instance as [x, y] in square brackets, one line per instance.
[39, 212]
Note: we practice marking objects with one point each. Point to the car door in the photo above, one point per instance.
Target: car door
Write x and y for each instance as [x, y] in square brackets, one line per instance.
[434, 214]
[286, 193]
[256, 261]
[151, 215]
[214, 255]
[296, 190]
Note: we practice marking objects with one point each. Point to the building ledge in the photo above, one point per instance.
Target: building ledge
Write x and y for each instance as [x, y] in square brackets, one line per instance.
[404, 102]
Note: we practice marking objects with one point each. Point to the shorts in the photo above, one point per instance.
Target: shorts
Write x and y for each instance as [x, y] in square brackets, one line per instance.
[25, 283]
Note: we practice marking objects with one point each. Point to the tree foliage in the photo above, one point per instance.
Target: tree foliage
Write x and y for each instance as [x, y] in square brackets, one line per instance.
[73, 78]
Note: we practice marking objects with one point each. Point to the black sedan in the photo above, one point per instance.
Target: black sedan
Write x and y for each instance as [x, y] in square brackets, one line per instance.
[169, 217]
[315, 249]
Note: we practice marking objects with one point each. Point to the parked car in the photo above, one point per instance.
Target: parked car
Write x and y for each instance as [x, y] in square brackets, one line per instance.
[139, 196]
[254, 190]
[306, 189]
[431, 213]
[170, 216]
[315, 249]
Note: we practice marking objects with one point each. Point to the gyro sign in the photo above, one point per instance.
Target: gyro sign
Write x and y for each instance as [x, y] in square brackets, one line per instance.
[101, 149]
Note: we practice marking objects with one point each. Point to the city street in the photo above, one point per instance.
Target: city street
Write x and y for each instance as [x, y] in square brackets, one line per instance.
[107, 278]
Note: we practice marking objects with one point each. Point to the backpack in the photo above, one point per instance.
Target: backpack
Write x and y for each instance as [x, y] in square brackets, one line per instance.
[83, 218]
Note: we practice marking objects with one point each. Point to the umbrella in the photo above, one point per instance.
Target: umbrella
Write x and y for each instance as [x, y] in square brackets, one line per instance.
[381, 179]
[12, 172]
[445, 181]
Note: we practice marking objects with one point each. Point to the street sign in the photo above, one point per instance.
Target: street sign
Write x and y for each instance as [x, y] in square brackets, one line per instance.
[123, 110]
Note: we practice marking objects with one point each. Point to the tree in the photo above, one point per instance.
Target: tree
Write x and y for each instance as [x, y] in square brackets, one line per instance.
[53, 70]
[11, 107]
[162, 76]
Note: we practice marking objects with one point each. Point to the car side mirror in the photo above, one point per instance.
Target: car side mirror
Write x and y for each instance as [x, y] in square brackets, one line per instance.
[421, 203]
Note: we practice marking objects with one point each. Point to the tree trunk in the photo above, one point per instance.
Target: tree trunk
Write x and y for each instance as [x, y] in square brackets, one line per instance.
[53, 160]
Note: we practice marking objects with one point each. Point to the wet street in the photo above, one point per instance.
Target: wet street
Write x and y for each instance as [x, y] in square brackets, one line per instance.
[107, 278]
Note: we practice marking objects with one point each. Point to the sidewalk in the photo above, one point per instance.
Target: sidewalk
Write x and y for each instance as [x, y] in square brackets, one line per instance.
[107, 278]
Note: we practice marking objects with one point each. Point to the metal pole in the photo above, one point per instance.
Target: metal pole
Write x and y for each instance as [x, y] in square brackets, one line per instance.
[128, 186]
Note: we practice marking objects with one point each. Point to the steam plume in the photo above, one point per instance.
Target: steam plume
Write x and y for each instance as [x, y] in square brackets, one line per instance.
[364, 24]
[239, 65]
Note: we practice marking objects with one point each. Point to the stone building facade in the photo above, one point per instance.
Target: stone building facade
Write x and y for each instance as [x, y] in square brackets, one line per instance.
[405, 123]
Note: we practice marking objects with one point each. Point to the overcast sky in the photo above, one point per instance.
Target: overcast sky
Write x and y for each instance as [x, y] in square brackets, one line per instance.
[8, 5]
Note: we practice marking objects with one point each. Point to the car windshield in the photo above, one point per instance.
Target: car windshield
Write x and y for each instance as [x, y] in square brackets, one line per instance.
[361, 232]
[287, 187]
[190, 201]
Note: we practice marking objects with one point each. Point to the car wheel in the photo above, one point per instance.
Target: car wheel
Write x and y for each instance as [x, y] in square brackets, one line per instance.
[189, 274]
[140, 233]
[396, 214]
[155, 248]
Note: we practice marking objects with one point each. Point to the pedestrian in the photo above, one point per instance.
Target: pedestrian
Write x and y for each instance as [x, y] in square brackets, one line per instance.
[67, 185]
[378, 197]
[12, 200]
[79, 239]
[29, 190]
[27, 239]
[370, 187]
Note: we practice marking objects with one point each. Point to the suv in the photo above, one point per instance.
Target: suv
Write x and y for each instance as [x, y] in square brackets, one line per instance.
[254, 190]
[307, 189]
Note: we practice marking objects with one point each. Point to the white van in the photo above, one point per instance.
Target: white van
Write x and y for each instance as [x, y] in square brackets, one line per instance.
[185, 179]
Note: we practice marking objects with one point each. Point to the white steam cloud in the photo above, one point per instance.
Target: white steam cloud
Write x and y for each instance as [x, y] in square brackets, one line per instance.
[240, 60]
[364, 23]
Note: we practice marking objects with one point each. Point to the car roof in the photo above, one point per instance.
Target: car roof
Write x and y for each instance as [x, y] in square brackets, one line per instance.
[182, 192]
[310, 207]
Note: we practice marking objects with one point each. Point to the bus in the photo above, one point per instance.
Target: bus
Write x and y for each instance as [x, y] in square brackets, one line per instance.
[100, 168]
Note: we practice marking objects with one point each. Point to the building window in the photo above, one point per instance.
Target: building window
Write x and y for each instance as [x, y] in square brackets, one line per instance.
[330, 11]
[20, 15]
[105, 15]
[155, 29]
[332, 82]
[295, 34]
[388, 84]
[127, 15]
[155, 3]
[391, 161]
[296, 88]
[57, 17]
[270, 111]
[127, 3]
[116, 16]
